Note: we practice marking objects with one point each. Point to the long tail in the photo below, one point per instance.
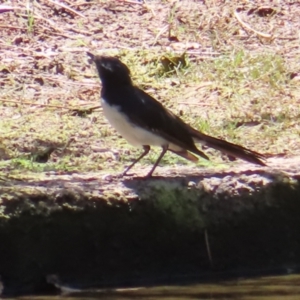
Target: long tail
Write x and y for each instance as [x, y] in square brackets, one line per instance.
[229, 148]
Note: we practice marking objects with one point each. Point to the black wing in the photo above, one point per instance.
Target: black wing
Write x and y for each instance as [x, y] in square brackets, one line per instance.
[146, 112]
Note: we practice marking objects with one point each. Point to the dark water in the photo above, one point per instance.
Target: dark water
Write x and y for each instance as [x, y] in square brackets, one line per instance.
[260, 288]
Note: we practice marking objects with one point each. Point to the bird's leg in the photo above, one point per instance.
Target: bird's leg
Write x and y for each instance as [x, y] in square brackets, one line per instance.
[146, 151]
[164, 150]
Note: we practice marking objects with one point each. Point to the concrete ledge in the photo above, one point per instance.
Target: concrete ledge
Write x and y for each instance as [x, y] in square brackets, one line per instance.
[109, 232]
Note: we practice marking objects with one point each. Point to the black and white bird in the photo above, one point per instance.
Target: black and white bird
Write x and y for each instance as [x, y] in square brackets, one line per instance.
[145, 122]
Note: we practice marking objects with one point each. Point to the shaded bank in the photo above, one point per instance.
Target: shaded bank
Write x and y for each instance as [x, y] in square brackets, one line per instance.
[131, 232]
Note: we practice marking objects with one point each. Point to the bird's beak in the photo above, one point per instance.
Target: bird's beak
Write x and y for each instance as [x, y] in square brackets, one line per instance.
[92, 56]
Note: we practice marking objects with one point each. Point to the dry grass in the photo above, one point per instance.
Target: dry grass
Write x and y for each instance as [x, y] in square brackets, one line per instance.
[240, 81]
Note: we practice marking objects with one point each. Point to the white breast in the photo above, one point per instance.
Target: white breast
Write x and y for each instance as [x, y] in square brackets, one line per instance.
[133, 134]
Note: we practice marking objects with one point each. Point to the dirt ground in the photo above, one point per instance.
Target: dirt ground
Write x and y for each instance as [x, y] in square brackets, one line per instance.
[241, 81]
[228, 68]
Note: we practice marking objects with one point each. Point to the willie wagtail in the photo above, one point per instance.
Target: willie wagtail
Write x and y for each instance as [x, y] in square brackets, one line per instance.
[145, 122]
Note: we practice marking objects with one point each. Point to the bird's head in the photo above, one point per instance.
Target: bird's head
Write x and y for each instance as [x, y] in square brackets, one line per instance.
[111, 70]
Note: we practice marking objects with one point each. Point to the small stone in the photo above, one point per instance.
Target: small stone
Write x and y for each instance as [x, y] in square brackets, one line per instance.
[191, 184]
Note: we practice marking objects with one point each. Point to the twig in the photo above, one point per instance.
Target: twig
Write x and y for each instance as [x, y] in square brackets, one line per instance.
[244, 24]
[11, 27]
[208, 248]
[6, 8]
[80, 3]
[69, 2]
[132, 2]
[196, 104]
[58, 33]
[149, 8]
[160, 33]
[89, 84]
[46, 105]
[85, 32]
[67, 8]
